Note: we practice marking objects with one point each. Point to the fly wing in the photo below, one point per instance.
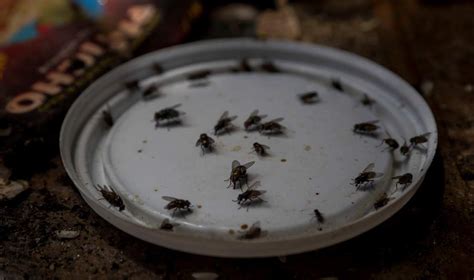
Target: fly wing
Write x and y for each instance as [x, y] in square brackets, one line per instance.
[174, 106]
[254, 113]
[210, 140]
[277, 120]
[224, 115]
[265, 146]
[254, 185]
[248, 164]
[377, 175]
[397, 177]
[198, 142]
[235, 163]
[425, 134]
[169, 198]
[373, 122]
[232, 118]
[369, 167]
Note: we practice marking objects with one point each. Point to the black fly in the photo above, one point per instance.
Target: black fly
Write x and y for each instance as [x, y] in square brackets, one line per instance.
[336, 84]
[167, 226]
[253, 121]
[381, 202]
[224, 124]
[272, 127]
[177, 204]
[420, 139]
[168, 115]
[390, 142]
[367, 101]
[318, 216]
[250, 195]
[366, 128]
[309, 97]
[205, 142]
[269, 67]
[405, 180]
[366, 176]
[107, 117]
[111, 196]
[260, 149]
[238, 173]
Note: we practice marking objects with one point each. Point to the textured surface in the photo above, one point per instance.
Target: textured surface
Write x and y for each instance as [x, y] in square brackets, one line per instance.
[431, 238]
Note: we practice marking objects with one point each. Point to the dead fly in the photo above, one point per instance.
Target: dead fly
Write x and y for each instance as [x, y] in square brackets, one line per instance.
[168, 115]
[111, 196]
[253, 121]
[381, 202]
[205, 142]
[158, 68]
[167, 226]
[224, 124]
[367, 101]
[177, 204]
[149, 91]
[272, 127]
[253, 232]
[366, 128]
[309, 97]
[250, 195]
[390, 142]
[199, 75]
[420, 139]
[336, 84]
[269, 67]
[107, 117]
[366, 176]
[260, 149]
[404, 180]
[132, 85]
[238, 173]
[244, 65]
[318, 216]
[404, 149]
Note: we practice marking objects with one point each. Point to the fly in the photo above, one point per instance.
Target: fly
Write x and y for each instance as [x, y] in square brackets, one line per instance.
[205, 142]
[309, 97]
[253, 121]
[405, 180]
[177, 204]
[224, 124]
[420, 139]
[199, 75]
[238, 174]
[272, 127]
[167, 226]
[269, 67]
[318, 216]
[260, 149]
[367, 101]
[250, 196]
[107, 117]
[367, 176]
[390, 142]
[336, 84]
[367, 128]
[111, 196]
[381, 202]
[168, 116]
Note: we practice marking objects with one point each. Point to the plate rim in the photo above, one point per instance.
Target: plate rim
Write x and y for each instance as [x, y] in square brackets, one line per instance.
[270, 247]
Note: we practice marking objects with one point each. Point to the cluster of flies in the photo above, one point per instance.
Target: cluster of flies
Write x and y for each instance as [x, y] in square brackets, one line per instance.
[170, 116]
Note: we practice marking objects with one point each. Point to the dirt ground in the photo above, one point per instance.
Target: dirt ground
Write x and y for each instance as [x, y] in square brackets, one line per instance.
[429, 43]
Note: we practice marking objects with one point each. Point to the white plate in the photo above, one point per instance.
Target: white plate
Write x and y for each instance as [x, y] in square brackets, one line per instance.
[311, 166]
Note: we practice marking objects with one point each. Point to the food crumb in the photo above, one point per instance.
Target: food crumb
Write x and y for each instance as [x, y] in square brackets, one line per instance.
[139, 151]
[245, 136]
[199, 206]
[231, 231]
[144, 141]
[310, 178]
[155, 190]
[236, 148]
[244, 226]
[307, 147]
[283, 160]
[317, 193]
